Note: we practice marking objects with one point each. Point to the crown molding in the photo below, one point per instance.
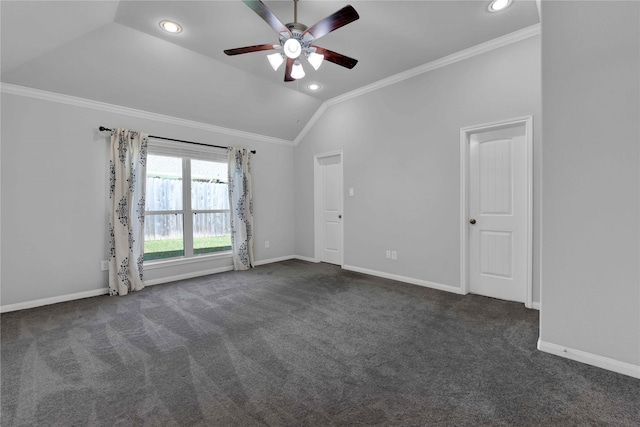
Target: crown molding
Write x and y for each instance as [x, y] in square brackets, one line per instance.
[75, 101]
[462, 55]
[312, 121]
[479, 49]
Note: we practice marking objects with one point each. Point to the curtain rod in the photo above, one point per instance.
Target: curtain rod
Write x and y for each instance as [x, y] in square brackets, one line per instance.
[104, 129]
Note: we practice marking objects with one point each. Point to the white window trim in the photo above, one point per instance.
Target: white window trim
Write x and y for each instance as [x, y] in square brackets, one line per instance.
[174, 262]
[186, 152]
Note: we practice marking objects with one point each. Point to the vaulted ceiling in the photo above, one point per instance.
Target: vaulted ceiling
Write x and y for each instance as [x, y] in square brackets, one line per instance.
[115, 52]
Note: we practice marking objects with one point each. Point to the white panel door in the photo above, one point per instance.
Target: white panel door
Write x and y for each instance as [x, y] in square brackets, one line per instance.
[331, 208]
[498, 246]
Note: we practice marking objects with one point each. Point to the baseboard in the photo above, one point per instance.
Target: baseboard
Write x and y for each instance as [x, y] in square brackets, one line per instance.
[272, 260]
[187, 275]
[105, 291]
[52, 300]
[285, 258]
[96, 292]
[304, 258]
[411, 280]
[590, 359]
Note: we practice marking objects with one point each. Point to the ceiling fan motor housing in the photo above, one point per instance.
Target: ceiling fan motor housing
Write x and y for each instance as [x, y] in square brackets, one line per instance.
[296, 26]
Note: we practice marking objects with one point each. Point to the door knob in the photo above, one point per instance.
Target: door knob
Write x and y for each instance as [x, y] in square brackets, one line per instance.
[472, 221]
[339, 216]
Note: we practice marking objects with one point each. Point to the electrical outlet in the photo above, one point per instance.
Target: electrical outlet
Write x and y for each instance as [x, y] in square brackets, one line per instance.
[266, 244]
[388, 254]
[104, 265]
[394, 255]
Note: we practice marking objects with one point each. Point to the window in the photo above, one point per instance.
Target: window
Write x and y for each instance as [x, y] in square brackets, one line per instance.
[186, 203]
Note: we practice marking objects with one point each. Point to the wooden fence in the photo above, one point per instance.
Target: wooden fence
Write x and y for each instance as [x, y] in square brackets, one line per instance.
[165, 194]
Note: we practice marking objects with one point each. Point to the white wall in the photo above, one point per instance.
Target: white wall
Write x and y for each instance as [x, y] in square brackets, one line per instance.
[402, 157]
[591, 182]
[54, 193]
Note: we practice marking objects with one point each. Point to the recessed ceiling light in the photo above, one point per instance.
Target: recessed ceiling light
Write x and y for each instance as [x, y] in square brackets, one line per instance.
[314, 86]
[498, 5]
[170, 27]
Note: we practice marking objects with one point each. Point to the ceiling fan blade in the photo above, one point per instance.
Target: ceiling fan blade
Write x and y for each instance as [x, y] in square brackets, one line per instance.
[265, 13]
[336, 58]
[339, 19]
[247, 49]
[287, 70]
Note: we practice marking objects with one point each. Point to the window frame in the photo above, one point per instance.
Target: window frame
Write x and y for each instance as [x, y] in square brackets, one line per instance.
[186, 154]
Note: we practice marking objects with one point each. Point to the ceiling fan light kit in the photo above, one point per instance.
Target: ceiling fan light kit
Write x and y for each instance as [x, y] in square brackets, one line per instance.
[296, 40]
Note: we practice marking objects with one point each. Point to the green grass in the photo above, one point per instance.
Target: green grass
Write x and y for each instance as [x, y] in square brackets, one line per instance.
[170, 248]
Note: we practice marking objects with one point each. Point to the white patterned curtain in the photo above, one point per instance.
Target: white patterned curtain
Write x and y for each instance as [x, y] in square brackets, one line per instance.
[241, 205]
[128, 170]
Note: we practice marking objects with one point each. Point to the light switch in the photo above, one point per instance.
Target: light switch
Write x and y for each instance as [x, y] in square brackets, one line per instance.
[351, 192]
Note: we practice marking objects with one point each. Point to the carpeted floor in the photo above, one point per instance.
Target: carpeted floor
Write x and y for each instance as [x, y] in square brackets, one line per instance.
[292, 344]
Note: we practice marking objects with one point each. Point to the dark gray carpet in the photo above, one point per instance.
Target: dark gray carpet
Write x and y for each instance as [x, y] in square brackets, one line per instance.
[294, 344]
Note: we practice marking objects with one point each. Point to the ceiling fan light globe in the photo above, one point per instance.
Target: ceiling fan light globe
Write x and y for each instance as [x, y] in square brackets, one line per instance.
[297, 72]
[276, 60]
[315, 59]
[292, 48]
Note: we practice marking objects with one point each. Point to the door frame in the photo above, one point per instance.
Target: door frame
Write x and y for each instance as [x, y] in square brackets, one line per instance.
[465, 136]
[317, 204]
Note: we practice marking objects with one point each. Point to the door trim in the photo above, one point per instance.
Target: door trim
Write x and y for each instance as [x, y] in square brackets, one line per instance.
[317, 204]
[465, 134]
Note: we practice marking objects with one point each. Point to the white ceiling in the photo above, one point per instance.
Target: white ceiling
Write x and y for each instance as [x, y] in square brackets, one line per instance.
[115, 52]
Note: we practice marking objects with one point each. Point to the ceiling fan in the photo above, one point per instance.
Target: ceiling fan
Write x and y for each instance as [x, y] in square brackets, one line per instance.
[296, 40]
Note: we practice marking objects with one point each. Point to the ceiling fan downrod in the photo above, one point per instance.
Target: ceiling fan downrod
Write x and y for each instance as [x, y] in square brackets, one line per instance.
[295, 25]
